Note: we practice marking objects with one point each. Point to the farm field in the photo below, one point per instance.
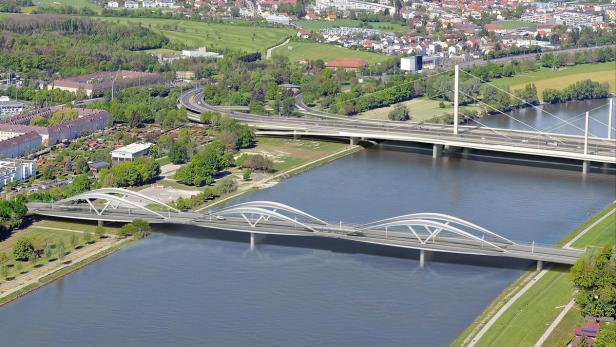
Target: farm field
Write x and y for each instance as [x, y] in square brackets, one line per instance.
[548, 78]
[297, 50]
[212, 35]
[73, 3]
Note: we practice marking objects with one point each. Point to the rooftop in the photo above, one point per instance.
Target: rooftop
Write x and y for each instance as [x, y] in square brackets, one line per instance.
[133, 148]
[351, 63]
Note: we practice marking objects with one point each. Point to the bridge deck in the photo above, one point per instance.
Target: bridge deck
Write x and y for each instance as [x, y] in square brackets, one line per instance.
[344, 231]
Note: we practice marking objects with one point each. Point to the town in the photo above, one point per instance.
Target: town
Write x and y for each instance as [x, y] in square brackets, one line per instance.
[254, 171]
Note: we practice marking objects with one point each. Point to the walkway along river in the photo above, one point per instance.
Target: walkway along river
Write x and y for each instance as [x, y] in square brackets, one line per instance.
[189, 286]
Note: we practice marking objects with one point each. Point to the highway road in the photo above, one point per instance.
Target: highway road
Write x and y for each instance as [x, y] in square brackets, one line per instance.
[500, 140]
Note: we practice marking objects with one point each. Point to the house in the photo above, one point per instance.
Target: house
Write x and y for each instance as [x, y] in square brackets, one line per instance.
[349, 64]
[131, 4]
[149, 4]
[97, 166]
[303, 33]
[165, 3]
[130, 152]
[16, 170]
[10, 108]
[586, 333]
[113, 4]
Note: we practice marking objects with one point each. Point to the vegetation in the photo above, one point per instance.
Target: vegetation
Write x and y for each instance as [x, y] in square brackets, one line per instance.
[138, 228]
[23, 250]
[595, 279]
[580, 90]
[203, 166]
[12, 213]
[607, 336]
[399, 113]
[130, 173]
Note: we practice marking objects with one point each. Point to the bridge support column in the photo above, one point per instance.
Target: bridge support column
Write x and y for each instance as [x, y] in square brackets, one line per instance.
[296, 136]
[436, 150]
[252, 241]
[585, 166]
[100, 223]
[422, 258]
[353, 141]
[539, 265]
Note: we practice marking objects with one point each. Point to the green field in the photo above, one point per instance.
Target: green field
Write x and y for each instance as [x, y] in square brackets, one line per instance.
[73, 3]
[515, 24]
[420, 110]
[561, 78]
[213, 36]
[528, 318]
[298, 51]
[324, 24]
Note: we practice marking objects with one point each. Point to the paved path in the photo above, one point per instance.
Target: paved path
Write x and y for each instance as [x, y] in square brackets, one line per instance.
[36, 275]
[505, 307]
[269, 50]
[555, 323]
[530, 284]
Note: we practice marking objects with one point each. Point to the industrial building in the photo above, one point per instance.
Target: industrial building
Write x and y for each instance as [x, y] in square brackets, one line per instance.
[130, 152]
[95, 83]
[10, 108]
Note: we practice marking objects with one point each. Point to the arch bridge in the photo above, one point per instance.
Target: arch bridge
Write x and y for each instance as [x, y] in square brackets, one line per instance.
[434, 232]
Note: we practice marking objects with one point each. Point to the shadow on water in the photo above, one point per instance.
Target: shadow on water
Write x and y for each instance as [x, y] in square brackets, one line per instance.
[344, 246]
[498, 157]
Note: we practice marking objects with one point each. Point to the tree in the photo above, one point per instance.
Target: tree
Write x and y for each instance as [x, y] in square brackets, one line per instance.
[178, 153]
[128, 230]
[48, 253]
[246, 174]
[399, 113]
[226, 185]
[607, 336]
[595, 278]
[142, 228]
[61, 249]
[3, 259]
[23, 249]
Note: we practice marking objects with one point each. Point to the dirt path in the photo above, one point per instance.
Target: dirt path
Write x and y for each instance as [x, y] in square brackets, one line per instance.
[269, 50]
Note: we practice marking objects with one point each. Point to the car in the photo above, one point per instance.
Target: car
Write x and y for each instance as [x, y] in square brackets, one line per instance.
[220, 218]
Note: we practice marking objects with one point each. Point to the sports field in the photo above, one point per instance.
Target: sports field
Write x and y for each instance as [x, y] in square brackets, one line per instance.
[420, 110]
[563, 77]
[297, 50]
[213, 36]
[73, 3]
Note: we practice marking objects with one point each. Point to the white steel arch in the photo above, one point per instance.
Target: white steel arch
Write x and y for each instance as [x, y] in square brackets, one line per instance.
[440, 218]
[276, 206]
[129, 193]
[112, 201]
[262, 215]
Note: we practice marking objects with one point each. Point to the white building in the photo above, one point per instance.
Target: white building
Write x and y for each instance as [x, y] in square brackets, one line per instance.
[113, 4]
[355, 5]
[149, 4]
[130, 152]
[10, 108]
[13, 170]
[165, 3]
[278, 19]
[200, 53]
[131, 4]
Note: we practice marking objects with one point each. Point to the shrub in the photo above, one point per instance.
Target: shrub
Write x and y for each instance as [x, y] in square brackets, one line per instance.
[226, 185]
[23, 249]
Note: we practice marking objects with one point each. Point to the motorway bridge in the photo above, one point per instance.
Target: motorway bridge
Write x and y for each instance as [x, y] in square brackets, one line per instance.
[584, 149]
[426, 232]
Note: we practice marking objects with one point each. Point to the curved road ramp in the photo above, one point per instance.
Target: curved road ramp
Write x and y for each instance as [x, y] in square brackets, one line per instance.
[422, 231]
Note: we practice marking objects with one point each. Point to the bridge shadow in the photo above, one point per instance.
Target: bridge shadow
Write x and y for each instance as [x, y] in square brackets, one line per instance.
[499, 157]
[343, 246]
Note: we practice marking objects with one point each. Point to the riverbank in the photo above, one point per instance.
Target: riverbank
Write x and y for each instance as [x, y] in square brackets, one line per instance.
[83, 248]
[523, 312]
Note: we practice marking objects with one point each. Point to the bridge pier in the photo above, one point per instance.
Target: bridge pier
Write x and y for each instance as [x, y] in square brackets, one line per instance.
[296, 136]
[436, 150]
[585, 166]
[100, 223]
[539, 265]
[422, 258]
[353, 141]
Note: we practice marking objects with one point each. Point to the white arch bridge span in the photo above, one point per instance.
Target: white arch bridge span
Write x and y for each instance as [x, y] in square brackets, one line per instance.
[433, 232]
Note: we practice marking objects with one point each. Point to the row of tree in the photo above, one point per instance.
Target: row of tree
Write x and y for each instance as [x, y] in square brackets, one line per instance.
[580, 90]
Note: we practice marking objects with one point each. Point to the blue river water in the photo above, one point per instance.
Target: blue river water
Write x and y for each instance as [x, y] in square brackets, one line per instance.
[186, 286]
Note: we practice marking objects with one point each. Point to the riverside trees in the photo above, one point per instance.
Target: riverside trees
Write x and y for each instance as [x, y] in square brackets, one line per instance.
[595, 278]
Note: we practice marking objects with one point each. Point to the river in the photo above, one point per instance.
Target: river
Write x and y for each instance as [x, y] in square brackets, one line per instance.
[192, 287]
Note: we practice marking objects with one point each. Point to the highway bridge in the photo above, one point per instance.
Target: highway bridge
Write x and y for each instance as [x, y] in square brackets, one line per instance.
[585, 149]
[426, 232]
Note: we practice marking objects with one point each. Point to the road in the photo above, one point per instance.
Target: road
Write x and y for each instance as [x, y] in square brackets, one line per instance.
[475, 137]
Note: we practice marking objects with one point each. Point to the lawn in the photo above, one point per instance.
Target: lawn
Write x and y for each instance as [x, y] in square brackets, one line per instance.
[515, 24]
[298, 50]
[528, 318]
[288, 153]
[563, 77]
[323, 24]
[213, 36]
[420, 109]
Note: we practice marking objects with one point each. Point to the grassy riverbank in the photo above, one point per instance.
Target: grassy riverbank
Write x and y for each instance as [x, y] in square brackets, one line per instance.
[526, 320]
[80, 243]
